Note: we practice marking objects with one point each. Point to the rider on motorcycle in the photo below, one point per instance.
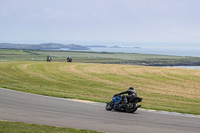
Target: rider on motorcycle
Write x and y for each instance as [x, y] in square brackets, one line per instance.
[131, 93]
[126, 103]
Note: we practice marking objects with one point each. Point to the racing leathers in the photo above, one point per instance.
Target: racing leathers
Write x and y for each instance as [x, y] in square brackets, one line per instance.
[131, 93]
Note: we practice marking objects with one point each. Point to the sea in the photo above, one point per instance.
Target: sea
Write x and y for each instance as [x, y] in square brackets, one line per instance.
[174, 51]
[181, 49]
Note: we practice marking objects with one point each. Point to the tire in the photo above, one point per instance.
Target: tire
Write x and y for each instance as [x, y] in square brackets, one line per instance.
[109, 106]
[132, 109]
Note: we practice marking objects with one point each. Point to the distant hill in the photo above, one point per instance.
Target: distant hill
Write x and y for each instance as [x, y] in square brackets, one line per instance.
[43, 46]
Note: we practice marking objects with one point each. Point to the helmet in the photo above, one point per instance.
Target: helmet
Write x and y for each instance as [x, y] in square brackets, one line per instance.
[131, 88]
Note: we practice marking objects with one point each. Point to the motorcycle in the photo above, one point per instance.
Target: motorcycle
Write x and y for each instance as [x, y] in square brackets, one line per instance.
[121, 103]
[49, 59]
[69, 59]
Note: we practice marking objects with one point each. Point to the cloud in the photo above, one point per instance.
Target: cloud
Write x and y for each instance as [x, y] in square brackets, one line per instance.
[128, 20]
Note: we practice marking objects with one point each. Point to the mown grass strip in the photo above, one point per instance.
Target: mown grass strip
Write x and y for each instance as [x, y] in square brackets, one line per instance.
[169, 89]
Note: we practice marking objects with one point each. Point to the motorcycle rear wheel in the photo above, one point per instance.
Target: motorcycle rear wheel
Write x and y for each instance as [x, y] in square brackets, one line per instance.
[132, 109]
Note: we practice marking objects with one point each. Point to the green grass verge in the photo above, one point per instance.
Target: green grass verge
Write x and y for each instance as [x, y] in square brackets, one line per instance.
[19, 127]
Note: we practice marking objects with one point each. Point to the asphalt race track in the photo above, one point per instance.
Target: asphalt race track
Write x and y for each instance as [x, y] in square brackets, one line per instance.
[44, 110]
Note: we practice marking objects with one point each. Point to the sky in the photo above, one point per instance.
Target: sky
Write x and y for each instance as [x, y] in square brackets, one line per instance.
[100, 21]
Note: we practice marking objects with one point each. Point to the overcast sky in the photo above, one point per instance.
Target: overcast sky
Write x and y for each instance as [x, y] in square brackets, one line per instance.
[73, 21]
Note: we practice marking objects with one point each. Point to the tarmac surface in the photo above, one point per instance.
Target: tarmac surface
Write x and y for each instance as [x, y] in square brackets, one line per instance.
[45, 110]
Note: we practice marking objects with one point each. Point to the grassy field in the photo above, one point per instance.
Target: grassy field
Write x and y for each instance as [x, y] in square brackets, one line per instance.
[97, 57]
[19, 127]
[169, 89]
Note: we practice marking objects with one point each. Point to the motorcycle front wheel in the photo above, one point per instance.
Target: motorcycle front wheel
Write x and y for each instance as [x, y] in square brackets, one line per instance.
[109, 106]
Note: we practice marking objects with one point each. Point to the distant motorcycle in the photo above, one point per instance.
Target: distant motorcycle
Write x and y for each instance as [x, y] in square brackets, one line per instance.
[119, 104]
[69, 59]
[49, 59]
